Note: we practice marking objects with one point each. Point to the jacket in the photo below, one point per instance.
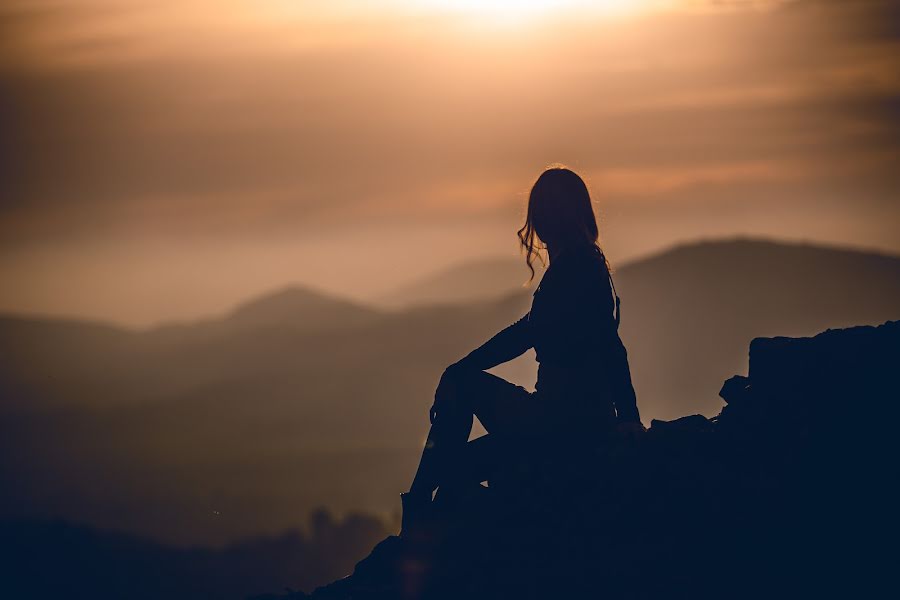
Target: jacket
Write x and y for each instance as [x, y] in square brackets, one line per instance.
[571, 326]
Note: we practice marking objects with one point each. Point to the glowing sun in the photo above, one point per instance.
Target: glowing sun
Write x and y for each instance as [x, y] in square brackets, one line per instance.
[517, 9]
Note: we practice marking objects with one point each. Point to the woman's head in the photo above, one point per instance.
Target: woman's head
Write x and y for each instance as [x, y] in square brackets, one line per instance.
[559, 214]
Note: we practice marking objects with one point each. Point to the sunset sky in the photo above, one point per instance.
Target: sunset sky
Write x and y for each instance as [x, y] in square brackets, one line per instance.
[164, 159]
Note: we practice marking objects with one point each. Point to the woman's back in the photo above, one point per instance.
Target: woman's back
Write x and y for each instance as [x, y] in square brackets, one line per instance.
[583, 366]
[571, 315]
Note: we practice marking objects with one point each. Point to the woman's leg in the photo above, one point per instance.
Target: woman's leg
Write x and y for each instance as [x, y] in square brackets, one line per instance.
[471, 393]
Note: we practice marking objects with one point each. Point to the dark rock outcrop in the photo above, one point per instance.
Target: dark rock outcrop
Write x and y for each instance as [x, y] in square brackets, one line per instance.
[787, 493]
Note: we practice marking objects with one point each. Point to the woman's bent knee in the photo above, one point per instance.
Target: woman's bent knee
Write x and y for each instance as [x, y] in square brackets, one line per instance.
[457, 377]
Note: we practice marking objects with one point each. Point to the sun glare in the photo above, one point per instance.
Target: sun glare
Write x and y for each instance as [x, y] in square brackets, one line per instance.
[514, 10]
[491, 12]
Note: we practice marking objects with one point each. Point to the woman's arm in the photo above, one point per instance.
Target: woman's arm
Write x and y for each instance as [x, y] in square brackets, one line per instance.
[625, 399]
[505, 346]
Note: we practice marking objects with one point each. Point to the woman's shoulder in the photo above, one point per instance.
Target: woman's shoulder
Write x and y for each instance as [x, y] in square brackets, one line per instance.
[583, 260]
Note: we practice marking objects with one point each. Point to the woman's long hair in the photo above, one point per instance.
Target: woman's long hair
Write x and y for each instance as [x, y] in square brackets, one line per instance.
[559, 214]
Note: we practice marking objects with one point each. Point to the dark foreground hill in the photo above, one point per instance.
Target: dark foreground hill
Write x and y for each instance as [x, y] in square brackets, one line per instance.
[789, 492]
[50, 560]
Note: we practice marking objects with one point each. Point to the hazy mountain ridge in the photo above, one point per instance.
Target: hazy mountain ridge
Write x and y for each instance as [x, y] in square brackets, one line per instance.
[251, 422]
[471, 281]
[301, 307]
[264, 422]
[687, 314]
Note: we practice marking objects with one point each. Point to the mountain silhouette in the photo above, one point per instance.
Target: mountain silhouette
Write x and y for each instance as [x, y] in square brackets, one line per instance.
[689, 313]
[472, 281]
[301, 308]
[213, 431]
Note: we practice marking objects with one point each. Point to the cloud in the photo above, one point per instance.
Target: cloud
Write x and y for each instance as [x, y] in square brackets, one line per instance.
[174, 117]
[167, 159]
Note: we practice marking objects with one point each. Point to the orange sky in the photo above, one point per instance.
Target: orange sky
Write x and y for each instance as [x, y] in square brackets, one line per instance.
[163, 159]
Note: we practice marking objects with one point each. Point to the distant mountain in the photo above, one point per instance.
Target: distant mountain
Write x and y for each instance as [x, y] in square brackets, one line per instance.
[219, 430]
[301, 308]
[689, 313]
[212, 431]
[472, 281]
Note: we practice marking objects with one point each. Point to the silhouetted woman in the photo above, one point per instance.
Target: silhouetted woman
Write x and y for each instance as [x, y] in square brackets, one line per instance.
[583, 385]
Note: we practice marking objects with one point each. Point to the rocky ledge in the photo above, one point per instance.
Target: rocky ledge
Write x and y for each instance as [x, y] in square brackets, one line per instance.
[788, 492]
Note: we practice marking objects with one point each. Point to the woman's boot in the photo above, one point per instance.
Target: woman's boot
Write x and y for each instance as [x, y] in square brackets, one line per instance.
[416, 509]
